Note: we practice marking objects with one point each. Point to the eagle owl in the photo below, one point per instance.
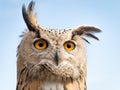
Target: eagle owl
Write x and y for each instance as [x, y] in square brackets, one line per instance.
[51, 59]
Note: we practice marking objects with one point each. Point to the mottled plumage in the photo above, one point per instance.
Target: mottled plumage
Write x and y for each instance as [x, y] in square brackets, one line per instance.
[51, 59]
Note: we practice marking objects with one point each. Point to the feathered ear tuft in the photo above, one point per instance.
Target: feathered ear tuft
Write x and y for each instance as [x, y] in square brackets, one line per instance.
[29, 17]
[86, 30]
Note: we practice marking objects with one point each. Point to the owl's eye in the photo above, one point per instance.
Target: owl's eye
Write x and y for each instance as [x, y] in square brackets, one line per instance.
[69, 45]
[40, 44]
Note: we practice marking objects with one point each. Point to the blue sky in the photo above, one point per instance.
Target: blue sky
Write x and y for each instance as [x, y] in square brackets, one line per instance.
[103, 56]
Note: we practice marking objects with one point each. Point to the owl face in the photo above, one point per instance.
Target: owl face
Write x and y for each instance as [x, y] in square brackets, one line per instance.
[59, 53]
[55, 50]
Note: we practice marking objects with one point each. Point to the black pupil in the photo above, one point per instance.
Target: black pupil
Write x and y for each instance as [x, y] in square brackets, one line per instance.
[41, 44]
[68, 46]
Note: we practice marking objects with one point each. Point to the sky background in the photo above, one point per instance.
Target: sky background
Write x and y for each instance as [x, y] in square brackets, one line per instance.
[103, 56]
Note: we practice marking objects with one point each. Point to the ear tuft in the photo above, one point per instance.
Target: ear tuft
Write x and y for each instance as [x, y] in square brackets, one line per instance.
[29, 17]
[87, 31]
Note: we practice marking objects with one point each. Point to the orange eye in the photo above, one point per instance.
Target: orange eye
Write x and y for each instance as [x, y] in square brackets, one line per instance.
[40, 44]
[69, 45]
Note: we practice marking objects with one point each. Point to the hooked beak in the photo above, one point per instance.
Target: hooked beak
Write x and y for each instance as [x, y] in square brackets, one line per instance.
[57, 58]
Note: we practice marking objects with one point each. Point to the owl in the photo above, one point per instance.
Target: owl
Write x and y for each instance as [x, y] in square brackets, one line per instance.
[49, 59]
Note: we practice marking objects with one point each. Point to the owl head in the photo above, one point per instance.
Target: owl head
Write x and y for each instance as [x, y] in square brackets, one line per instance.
[47, 52]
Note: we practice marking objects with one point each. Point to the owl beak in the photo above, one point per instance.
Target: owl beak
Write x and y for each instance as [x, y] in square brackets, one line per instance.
[56, 58]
